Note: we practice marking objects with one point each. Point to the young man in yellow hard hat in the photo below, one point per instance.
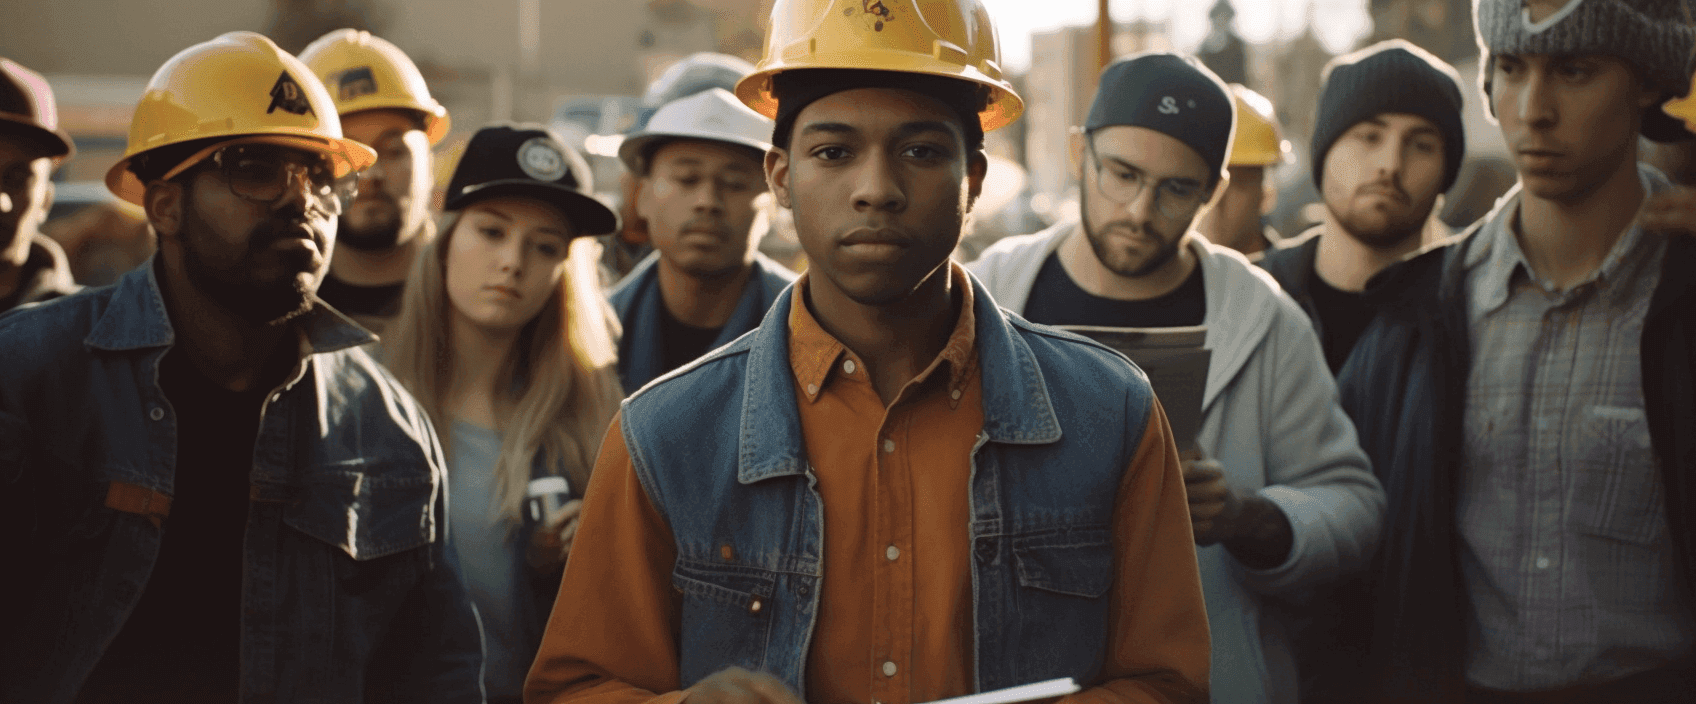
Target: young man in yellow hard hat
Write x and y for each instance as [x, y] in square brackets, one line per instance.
[32, 266]
[1388, 141]
[211, 493]
[891, 490]
[1528, 389]
[1236, 218]
[384, 104]
[700, 166]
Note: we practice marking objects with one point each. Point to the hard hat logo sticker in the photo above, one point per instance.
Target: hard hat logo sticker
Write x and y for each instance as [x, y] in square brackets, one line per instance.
[541, 160]
[355, 82]
[287, 95]
[873, 10]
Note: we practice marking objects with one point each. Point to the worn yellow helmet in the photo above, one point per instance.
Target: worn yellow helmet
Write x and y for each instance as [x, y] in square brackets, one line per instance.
[952, 38]
[1258, 141]
[239, 86]
[1683, 108]
[364, 72]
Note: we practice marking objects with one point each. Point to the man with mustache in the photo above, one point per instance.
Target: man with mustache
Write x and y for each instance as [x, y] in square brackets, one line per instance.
[1281, 496]
[891, 490]
[32, 266]
[698, 170]
[211, 494]
[1528, 389]
[1387, 142]
[384, 104]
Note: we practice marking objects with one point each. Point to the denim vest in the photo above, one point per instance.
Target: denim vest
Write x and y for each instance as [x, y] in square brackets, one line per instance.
[718, 448]
[347, 594]
[636, 299]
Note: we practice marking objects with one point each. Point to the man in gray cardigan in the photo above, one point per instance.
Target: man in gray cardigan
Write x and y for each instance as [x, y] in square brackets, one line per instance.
[1281, 496]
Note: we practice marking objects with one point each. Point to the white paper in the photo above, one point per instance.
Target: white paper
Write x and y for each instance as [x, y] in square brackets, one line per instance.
[1022, 693]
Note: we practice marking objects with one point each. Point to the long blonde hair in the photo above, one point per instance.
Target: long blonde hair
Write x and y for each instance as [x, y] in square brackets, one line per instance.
[558, 387]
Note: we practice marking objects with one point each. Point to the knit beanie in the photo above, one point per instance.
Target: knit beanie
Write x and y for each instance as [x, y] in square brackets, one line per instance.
[797, 89]
[1171, 94]
[1654, 36]
[1389, 77]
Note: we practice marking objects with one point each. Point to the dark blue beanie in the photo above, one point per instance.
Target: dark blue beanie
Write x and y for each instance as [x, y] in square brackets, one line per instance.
[1389, 77]
[1171, 94]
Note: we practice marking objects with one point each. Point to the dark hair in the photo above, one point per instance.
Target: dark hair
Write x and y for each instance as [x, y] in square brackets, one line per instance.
[797, 89]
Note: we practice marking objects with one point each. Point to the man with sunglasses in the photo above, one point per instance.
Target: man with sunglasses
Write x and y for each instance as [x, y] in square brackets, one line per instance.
[209, 492]
[384, 104]
[1281, 497]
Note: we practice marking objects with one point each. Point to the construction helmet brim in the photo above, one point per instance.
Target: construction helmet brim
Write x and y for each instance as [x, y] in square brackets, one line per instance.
[346, 156]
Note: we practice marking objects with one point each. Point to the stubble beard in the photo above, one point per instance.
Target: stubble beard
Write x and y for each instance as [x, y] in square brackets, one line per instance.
[258, 303]
[1111, 258]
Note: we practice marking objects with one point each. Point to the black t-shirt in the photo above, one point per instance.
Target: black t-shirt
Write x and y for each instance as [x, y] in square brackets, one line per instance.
[361, 302]
[1343, 316]
[182, 642]
[680, 342]
[1056, 300]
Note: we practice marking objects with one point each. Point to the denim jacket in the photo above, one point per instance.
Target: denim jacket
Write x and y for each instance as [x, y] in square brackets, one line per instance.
[636, 299]
[348, 592]
[1063, 418]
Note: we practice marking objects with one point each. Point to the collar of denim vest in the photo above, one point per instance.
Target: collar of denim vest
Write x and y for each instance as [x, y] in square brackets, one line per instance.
[1016, 405]
[136, 319]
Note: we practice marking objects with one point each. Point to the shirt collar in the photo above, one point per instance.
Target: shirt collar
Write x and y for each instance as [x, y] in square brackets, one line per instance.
[815, 355]
[1496, 258]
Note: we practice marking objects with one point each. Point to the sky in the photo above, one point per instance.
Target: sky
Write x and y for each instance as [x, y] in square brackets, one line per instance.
[1339, 22]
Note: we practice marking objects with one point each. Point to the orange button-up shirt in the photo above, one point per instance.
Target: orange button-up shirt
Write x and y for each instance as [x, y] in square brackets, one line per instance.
[895, 618]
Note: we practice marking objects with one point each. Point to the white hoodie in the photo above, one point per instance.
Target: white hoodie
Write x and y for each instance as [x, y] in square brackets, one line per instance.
[1270, 417]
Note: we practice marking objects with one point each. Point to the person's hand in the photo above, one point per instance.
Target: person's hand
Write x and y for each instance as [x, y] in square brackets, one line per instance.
[734, 685]
[1215, 507]
[1670, 212]
[550, 541]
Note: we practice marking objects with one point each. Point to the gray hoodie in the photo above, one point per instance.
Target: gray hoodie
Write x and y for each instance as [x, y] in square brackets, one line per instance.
[1270, 417]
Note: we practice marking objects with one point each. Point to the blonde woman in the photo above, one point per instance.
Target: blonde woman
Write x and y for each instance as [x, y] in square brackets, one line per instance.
[505, 340]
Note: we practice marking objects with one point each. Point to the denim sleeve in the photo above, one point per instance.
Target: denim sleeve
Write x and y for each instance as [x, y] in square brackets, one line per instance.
[434, 651]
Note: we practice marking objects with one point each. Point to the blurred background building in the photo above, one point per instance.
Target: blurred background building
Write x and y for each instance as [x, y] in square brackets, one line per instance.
[581, 65]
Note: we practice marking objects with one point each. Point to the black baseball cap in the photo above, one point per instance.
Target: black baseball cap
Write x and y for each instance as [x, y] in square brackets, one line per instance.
[529, 160]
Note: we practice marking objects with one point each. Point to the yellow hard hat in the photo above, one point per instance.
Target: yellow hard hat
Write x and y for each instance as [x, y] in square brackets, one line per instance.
[363, 72]
[241, 87]
[1258, 140]
[1684, 109]
[952, 38]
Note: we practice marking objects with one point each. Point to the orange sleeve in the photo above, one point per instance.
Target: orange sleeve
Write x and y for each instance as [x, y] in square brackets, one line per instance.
[1159, 650]
[612, 637]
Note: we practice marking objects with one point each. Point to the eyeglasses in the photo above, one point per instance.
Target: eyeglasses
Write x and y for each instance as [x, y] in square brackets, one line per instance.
[1120, 182]
[262, 172]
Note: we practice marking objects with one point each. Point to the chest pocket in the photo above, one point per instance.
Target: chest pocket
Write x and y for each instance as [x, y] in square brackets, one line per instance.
[1617, 493]
[1070, 561]
[727, 613]
[367, 509]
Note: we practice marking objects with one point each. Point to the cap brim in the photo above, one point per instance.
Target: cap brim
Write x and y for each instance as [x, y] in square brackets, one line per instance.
[346, 155]
[631, 149]
[589, 215]
[57, 143]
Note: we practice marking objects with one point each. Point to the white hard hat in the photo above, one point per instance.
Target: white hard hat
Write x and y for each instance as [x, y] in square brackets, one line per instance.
[713, 115]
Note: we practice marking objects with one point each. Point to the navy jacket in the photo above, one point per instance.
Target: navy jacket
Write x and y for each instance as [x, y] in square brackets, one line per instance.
[637, 301]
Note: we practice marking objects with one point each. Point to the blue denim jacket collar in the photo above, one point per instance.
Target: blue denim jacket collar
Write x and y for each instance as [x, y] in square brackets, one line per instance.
[1016, 405]
[137, 319]
[636, 299]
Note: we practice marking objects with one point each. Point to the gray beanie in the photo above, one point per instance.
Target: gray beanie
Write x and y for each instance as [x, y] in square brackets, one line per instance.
[1655, 36]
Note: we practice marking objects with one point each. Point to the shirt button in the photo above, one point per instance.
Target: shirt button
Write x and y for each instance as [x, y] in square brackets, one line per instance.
[848, 366]
[888, 445]
[955, 394]
[156, 413]
[888, 668]
[812, 389]
[1542, 563]
[892, 553]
